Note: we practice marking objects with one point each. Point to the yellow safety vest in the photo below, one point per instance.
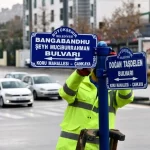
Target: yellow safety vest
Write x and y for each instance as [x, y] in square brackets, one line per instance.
[82, 110]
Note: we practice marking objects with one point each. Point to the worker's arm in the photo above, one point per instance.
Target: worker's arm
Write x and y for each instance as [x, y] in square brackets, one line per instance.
[70, 88]
[123, 97]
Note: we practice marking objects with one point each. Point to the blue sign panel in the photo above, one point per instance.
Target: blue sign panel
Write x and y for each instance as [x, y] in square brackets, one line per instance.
[63, 48]
[126, 70]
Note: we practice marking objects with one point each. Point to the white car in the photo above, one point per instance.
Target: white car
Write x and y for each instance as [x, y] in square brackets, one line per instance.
[142, 94]
[16, 75]
[42, 85]
[14, 92]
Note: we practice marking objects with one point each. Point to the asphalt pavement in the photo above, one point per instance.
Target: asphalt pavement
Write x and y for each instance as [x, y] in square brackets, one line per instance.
[37, 128]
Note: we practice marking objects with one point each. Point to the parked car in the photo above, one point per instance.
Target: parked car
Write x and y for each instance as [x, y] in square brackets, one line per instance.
[14, 92]
[142, 94]
[16, 75]
[42, 85]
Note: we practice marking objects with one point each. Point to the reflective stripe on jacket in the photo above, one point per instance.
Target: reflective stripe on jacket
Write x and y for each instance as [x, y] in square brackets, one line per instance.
[82, 109]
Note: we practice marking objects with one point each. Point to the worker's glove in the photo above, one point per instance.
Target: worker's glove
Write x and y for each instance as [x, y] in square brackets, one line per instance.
[112, 52]
[84, 72]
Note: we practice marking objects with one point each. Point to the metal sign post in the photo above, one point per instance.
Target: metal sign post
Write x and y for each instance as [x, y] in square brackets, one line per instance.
[102, 52]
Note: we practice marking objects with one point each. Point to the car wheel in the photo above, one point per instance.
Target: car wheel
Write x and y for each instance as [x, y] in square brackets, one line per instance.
[59, 97]
[35, 95]
[2, 102]
[30, 105]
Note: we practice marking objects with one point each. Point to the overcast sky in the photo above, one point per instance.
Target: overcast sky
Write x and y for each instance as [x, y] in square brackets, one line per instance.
[9, 3]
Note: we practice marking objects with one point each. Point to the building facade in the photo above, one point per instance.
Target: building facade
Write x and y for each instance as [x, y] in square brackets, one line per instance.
[47, 15]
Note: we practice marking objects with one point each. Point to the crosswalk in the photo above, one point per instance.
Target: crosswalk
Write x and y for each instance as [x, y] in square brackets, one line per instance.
[48, 109]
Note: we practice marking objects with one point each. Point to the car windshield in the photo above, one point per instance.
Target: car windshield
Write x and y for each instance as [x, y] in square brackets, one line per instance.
[43, 79]
[19, 76]
[12, 84]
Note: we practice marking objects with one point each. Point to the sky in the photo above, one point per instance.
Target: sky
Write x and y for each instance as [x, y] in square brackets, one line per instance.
[9, 3]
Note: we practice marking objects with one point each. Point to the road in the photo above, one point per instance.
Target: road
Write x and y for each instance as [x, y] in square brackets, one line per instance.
[38, 128]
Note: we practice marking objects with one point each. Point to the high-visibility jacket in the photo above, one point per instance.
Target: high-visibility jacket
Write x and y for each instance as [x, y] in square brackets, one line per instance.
[82, 110]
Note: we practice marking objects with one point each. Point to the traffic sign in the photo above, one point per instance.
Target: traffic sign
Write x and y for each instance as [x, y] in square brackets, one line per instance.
[63, 48]
[127, 70]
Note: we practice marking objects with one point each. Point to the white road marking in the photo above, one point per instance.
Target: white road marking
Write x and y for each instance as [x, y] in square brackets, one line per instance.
[9, 115]
[47, 113]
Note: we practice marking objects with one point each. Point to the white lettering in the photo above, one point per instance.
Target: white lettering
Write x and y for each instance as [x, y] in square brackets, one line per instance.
[41, 63]
[133, 63]
[115, 64]
[137, 84]
[82, 64]
[126, 73]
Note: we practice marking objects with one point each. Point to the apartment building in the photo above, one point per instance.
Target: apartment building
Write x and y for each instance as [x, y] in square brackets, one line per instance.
[47, 15]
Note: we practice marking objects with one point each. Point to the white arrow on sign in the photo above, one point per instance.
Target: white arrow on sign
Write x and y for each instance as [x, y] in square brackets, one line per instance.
[133, 78]
[51, 58]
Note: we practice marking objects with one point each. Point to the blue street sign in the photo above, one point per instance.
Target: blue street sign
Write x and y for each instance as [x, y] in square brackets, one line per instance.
[126, 70]
[63, 48]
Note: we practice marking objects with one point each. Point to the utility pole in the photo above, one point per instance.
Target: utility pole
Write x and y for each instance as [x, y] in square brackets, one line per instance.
[30, 20]
[149, 11]
[65, 12]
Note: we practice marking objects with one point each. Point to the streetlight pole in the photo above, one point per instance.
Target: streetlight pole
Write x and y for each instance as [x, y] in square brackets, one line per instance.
[65, 12]
[30, 19]
[149, 11]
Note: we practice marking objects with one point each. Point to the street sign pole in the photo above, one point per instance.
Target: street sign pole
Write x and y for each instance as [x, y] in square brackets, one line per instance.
[102, 53]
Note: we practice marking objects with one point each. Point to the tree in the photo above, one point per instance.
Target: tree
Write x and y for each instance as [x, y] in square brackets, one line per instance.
[122, 24]
[82, 25]
[44, 19]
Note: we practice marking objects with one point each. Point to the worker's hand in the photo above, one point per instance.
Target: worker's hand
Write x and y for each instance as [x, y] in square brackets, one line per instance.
[84, 71]
[112, 52]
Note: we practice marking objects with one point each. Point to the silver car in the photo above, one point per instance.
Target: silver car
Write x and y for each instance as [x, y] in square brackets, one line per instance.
[16, 75]
[42, 85]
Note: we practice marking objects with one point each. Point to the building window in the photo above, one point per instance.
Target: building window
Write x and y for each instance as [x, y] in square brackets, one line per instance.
[52, 1]
[27, 36]
[43, 2]
[61, 14]
[92, 25]
[92, 10]
[52, 29]
[70, 13]
[101, 25]
[35, 3]
[35, 19]
[35, 29]
[43, 18]
[44, 29]
[27, 19]
[52, 15]
[27, 4]
[61, 0]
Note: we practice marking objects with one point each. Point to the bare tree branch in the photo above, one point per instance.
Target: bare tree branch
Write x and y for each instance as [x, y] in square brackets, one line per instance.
[122, 24]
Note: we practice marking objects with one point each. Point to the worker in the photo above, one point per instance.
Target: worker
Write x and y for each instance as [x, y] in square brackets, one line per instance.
[80, 92]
